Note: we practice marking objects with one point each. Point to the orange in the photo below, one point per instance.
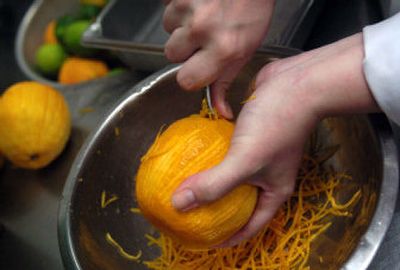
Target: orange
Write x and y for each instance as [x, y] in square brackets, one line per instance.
[50, 33]
[76, 70]
[35, 124]
[188, 146]
[100, 3]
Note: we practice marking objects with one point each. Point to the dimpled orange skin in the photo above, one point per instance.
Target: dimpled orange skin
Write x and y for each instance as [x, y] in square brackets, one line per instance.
[76, 70]
[188, 146]
[35, 124]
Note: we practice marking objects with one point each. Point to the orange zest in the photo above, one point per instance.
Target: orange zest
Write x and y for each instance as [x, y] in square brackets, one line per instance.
[121, 251]
[104, 202]
[283, 244]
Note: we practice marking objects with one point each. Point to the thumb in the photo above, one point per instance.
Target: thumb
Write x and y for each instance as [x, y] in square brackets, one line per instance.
[212, 184]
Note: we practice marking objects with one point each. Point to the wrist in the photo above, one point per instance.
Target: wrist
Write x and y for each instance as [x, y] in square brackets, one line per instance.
[336, 84]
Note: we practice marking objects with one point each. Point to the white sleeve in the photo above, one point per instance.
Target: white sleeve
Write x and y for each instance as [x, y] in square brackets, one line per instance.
[382, 64]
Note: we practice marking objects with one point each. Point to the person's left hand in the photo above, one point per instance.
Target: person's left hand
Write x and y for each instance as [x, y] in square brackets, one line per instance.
[214, 39]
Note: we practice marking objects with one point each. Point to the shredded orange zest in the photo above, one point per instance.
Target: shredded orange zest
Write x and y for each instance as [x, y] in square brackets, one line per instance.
[117, 132]
[121, 251]
[285, 243]
[155, 145]
[106, 201]
[135, 210]
[250, 98]
[207, 112]
[86, 110]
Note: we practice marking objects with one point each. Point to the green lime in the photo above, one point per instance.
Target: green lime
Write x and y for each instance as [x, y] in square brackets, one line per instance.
[72, 38]
[62, 24]
[49, 58]
[116, 71]
[89, 12]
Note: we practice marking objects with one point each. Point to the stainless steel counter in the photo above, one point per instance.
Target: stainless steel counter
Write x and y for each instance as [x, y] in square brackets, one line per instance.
[29, 199]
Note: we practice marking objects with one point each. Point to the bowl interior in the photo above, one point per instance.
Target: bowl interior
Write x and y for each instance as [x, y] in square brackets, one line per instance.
[111, 159]
[31, 32]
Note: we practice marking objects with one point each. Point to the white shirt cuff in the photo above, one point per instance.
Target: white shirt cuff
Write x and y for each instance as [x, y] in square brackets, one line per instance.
[382, 64]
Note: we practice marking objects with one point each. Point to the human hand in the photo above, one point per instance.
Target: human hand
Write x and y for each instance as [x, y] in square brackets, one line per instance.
[214, 39]
[291, 96]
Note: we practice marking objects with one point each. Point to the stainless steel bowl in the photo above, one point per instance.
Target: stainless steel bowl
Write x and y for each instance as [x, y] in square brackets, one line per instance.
[31, 31]
[108, 162]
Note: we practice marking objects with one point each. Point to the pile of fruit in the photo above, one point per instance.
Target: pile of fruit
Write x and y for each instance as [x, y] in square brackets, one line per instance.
[61, 57]
[35, 121]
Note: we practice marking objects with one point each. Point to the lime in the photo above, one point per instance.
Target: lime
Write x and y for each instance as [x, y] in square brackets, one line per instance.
[72, 38]
[89, 12]
[49, 58]
[62, 24]
[116, 71]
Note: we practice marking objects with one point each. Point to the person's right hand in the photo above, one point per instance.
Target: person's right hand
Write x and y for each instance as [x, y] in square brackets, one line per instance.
[214, 39]
[291, 96]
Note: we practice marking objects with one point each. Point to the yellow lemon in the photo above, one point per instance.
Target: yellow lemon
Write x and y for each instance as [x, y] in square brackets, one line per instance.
[188, 146]
[35, 124]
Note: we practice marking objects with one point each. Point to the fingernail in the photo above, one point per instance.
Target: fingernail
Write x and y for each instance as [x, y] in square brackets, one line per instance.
[228, 110]
[184, 200]
[187, 83]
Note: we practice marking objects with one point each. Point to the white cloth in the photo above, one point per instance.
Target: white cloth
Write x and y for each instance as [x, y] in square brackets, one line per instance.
[382, 64]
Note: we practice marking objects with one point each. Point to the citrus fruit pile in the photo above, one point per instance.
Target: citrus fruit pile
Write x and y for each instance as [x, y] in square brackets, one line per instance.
[61, 57]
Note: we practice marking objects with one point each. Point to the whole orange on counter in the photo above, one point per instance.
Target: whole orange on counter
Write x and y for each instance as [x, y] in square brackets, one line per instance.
[35, 124]
[188, 146]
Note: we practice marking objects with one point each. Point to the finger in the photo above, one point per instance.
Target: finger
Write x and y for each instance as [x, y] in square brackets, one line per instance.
[180, 45]
[218, 97]
[173, 18]
[266, 207]
[200, 70]
[166, 2]
[276, 185]
[221, 86]
[268, 204]
[209, 185]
